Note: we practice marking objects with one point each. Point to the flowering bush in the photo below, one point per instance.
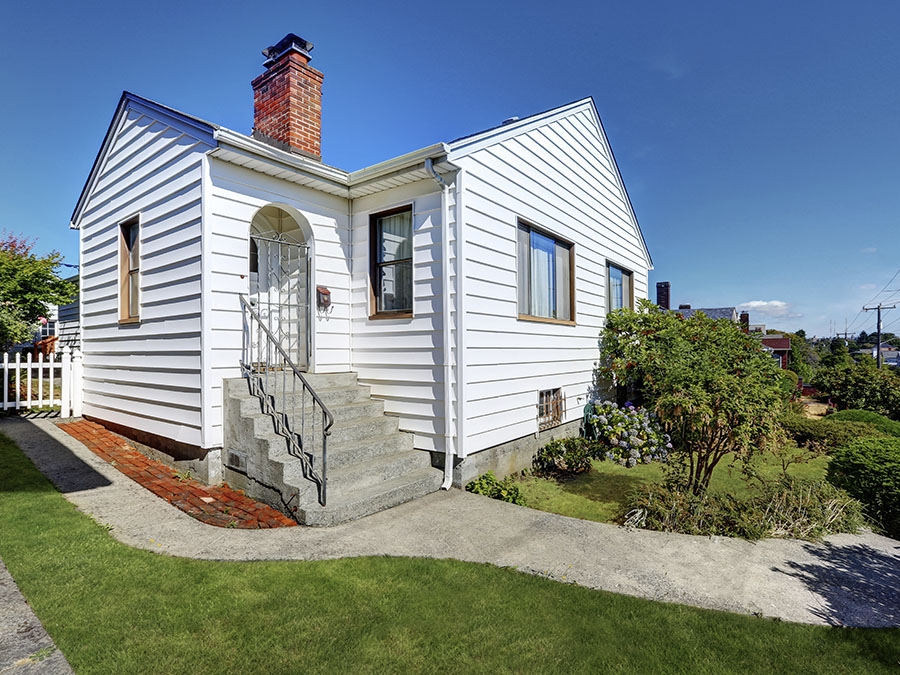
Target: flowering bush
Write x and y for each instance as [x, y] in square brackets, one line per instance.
[628, 435]
[564, 456]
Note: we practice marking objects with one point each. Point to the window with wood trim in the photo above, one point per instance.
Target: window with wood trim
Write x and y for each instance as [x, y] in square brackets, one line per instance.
[391, 238]
[545, 276]
[130, 270]
[620, 285]
[551, 408]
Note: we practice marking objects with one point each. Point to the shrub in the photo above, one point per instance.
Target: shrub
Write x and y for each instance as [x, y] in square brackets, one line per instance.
[785, 508]
[869, 469]
[626, 435]
[713, 387]
[790, 381]
[883, 424]
[564, 456]
[862, 386]
[820, 435]
[489, 485]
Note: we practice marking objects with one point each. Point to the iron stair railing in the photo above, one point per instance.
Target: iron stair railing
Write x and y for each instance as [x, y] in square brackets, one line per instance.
[265, 363]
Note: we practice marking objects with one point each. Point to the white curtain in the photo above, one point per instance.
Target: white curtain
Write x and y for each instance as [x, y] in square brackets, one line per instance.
[563, 287]
[615, 288]
[543, 275]
[396, 237]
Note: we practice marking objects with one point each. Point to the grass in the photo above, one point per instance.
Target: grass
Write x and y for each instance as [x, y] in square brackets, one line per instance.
[114, 609]
[600, 494]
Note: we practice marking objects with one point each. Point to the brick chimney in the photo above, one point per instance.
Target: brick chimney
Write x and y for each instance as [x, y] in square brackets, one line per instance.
[662, 294]
[745, 322]
[287, 99]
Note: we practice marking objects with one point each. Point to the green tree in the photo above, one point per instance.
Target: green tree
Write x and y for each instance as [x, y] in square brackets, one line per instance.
[802, 359]
[838, 355]
[861, 386]
[713, 387]
[29, 283]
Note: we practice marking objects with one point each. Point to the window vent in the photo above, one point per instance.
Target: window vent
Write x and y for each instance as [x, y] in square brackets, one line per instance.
[551, 405]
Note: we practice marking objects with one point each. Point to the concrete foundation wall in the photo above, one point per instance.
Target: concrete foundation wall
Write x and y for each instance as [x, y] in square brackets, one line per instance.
[506, 458]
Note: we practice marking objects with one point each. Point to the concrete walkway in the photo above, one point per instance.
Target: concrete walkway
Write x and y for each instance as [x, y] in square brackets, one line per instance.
[851, 580]
[25, 647]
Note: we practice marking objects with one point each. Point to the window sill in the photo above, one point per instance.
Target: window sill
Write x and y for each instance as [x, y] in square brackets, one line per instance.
[543, 319]
[130, 321]
[390, 315]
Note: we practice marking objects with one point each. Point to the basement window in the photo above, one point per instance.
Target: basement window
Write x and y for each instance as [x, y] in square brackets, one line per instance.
[551, 407]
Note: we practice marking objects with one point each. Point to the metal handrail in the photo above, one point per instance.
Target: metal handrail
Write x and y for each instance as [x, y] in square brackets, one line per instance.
[285, 422]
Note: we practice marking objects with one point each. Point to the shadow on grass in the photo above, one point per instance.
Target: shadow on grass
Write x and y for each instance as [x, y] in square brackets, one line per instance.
[61, 466]
[602, 487]
[860, 585]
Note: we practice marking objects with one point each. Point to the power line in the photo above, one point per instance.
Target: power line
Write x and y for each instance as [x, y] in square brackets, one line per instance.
[878, 309]
[858, 314]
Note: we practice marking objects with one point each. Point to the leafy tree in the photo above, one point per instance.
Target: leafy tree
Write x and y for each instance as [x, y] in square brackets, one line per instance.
[838, 355]
[862, 338]
[802, 358]
[713, 387]
[28, 284]
[862, 386]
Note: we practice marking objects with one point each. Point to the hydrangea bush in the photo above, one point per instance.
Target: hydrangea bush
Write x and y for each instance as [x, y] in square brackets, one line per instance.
[629, 435]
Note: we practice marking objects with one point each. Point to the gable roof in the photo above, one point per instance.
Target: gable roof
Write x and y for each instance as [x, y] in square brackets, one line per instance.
[197, 127]
[465, 145]
[245, 150]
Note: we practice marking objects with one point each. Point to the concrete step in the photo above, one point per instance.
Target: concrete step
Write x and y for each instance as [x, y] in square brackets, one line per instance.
[350, 478]
[371, 464]
[378, 497]
[342, 433]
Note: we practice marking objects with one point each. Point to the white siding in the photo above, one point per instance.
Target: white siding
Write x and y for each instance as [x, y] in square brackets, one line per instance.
[234, 196]
[402, 359]
[560, 176]
[145, 376]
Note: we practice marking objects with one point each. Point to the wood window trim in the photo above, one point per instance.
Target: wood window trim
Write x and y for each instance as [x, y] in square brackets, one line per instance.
[374, 314]
[125, 271]
[624, 270]
[572, 304]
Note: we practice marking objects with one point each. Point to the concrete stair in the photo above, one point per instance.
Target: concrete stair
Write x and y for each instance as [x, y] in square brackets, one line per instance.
[372, 465]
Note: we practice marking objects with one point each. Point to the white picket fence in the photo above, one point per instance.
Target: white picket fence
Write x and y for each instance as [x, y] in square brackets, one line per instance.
[27, 377]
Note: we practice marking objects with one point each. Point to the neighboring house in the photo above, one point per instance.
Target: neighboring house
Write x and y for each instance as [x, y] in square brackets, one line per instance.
[890, 355]
[729, 313]
[779, 346]
[62, 322]
[68, 327]
[464, 283]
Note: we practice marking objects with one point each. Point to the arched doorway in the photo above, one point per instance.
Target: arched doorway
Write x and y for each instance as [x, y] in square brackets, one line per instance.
[279, 281]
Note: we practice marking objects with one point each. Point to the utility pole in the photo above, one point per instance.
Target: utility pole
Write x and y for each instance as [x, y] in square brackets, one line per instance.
[878, 308]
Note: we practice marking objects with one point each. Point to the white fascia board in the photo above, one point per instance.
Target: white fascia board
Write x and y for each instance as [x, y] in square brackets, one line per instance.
[409, 160]
[289, 159]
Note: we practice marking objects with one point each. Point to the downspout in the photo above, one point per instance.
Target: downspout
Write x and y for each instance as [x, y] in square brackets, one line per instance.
[460, 220]
[445, 297]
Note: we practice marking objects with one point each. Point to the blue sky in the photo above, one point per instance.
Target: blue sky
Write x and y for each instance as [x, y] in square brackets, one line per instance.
[760, 143]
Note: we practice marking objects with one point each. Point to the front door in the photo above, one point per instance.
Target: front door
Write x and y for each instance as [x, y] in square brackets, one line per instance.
[279, 290]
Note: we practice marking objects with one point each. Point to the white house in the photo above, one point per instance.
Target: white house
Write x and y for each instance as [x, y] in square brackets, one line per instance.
[462, 286]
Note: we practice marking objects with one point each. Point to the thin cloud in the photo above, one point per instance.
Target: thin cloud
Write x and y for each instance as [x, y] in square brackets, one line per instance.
[670, 66]
[867, 287]
[773, 308]
[869, 249]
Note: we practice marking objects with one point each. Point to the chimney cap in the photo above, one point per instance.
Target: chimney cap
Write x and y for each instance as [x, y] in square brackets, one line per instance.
[285, 44]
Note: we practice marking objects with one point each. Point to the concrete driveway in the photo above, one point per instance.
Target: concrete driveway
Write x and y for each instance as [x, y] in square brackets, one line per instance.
[851, 580]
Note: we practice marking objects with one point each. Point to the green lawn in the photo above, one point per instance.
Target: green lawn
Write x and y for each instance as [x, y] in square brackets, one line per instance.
[600, 493]
[113, 609]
